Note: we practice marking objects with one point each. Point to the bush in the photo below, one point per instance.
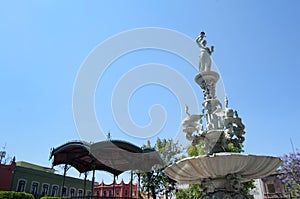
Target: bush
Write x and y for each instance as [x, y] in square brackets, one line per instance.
[49, 197]
[15, 195]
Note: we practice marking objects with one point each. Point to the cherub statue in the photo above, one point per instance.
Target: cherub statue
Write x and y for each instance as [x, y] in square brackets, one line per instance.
[205, 52]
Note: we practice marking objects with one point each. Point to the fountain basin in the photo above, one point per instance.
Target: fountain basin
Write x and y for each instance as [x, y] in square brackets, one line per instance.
[193, 170]
[207, 76]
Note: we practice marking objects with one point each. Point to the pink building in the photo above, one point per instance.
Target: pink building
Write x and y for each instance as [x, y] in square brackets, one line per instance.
[121, 190]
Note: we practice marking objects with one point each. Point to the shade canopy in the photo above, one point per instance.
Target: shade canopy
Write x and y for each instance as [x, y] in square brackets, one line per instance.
[113, 156]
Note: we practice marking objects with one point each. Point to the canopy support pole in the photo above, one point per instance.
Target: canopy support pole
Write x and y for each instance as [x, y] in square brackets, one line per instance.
[64, 179]
[84, 183]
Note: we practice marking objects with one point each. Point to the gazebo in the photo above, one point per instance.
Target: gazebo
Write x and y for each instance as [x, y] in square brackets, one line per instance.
[113, 156]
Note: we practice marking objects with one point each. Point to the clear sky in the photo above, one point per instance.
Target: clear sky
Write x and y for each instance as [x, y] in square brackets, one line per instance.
[43, 45]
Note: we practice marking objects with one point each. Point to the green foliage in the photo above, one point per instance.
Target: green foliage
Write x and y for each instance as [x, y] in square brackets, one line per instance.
[49, 197]
[195, 150]
[192, 151]
[181, 194]
[235, 149]
[15, 195]
[156, 181]
[168, 150]
[247, 186]
[192, 192]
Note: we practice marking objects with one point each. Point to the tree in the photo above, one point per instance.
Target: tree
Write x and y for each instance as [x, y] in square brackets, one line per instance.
[289, 172]
[195, 150]
[155, 181]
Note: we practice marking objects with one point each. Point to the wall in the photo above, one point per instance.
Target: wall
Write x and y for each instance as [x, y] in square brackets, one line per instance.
[31, 176]
[122, 190]
[6, 176]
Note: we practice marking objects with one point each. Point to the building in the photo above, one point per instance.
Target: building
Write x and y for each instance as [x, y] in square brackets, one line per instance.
[269, 187]
[121, 190]
[7, 173]
[273, 187]
[39, 181]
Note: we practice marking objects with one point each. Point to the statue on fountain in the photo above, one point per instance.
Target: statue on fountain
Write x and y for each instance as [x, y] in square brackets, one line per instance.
[205, 53]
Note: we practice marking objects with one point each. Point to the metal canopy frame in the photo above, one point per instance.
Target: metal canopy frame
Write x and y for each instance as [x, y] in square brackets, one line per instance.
[81, 156]
[113, 156]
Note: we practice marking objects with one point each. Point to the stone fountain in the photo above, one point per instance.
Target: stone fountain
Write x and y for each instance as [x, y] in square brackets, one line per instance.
[218, 129]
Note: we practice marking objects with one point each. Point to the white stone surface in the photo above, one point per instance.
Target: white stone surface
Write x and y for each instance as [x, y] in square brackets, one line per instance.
[205, 52]
[207, 76]
[193, 170]
[258, 191]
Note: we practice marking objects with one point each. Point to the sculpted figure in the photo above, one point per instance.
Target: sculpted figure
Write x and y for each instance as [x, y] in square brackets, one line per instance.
[205, 52]
[213, 108]
[187, 110]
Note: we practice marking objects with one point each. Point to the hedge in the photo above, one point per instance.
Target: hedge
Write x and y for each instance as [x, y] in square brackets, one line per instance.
[15, 195]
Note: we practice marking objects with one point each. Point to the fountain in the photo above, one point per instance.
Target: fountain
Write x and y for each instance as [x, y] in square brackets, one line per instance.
[218, 129]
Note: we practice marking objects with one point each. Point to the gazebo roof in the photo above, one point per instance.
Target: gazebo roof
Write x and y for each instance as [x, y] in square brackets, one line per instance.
[113, 156]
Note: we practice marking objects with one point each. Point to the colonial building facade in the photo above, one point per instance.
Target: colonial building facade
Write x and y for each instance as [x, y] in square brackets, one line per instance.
[41, 181]
[121, 190]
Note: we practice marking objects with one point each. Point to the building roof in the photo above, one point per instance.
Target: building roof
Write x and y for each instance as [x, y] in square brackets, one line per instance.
[115, 184]
[113, 156]
[34, 166]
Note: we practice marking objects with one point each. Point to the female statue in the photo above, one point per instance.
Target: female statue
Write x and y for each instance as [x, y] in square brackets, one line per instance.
[205, 52]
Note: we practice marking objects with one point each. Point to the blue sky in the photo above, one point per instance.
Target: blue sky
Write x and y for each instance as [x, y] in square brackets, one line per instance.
[44, 43]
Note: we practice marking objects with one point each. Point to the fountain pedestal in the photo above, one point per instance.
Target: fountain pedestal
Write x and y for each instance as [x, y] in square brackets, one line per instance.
[207, 81]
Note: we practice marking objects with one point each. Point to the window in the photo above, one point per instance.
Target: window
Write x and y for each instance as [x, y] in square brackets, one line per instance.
[54, 191]
[104, 193]
[80, 192]
[125, 192]
[72, 192]
[45, 188]
[64, 191]
[134, 193]
[110, 193]
[34, 188]
[98, 194]
[89, 194]
[21, 185]
[271, 188]
[118, 192]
